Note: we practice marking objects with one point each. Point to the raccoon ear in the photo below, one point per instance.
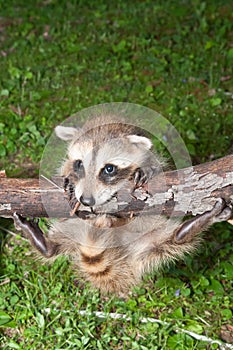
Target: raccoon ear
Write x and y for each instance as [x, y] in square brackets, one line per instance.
[66, 133]
[140, 140]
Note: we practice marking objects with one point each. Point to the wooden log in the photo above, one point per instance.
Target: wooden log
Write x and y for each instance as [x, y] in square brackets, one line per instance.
[174, 193]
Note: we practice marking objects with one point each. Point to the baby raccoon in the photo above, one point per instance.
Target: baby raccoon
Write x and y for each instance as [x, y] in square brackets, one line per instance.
[113, 254]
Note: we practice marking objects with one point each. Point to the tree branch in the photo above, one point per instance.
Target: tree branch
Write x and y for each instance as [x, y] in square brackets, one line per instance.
[187, 191]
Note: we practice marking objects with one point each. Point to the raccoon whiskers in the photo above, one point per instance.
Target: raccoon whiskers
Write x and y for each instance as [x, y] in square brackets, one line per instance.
[75, 208]
[52, 182]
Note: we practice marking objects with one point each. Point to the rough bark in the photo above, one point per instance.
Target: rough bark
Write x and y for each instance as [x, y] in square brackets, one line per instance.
[174, 193]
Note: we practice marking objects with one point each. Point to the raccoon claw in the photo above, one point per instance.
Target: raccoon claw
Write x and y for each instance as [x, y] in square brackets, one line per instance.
[222, 211]
[17, 221]
[33, 232]
[23, 224]
[20, 221]
[143, 175]
[138, 177]
[219, 206]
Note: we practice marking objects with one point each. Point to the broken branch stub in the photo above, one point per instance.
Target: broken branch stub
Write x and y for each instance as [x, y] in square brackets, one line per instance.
[187, 191]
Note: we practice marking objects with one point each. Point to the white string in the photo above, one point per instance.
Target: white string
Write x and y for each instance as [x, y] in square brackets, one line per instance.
[113, 315]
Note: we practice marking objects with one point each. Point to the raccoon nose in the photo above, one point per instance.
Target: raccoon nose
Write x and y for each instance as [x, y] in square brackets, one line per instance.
[88, 201]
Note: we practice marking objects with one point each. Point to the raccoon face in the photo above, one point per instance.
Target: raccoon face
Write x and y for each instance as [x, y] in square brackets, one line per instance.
[100, 166]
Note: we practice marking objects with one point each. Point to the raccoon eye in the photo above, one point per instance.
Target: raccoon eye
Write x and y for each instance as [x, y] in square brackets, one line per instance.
[110, 169]
[78, 165]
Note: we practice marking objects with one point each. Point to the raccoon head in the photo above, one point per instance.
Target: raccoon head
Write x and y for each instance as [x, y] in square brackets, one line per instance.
[102, 160]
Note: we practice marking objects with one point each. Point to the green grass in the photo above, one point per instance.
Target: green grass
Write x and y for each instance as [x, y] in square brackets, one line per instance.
[57, 58]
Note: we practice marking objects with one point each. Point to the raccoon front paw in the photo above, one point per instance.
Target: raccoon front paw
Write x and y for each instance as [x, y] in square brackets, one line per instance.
[222, 211]
[190, 228]
[143, 175]
[33, 232]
